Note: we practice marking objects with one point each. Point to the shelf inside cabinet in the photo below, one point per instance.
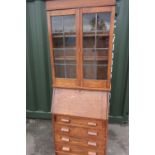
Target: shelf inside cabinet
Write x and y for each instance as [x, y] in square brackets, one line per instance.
[66, 58]
[60, 35]
[97, 58]
[91, 34]
[96, 49]
[89, 58]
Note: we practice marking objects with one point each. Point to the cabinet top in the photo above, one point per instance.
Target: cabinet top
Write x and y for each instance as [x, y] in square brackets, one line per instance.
[68, 4]
[81, 103]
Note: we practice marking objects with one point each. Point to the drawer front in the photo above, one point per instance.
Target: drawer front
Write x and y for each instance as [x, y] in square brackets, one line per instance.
[94, 144]
[76, 121]
[77, 150]
[78, 132]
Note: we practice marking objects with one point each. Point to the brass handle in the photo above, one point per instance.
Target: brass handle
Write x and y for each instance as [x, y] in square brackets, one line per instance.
[65, 129]
[92, 143]
[65, 148]
[92, 153]
[65, 139]
[91, 124]
[65, 120]
[92, 133]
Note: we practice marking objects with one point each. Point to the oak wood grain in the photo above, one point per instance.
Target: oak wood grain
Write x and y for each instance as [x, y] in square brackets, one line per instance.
[88, 143]
[66, 4]
[82, 103]
[78, 149]
[80, 122]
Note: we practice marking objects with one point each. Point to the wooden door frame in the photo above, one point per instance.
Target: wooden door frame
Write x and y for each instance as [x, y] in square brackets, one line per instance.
[98, 84]
[63, 82]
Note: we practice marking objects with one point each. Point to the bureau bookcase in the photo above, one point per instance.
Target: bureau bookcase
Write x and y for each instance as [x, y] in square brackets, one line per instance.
[81, 41]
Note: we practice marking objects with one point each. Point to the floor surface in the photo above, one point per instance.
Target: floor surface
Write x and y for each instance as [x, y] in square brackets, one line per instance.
[40, 142]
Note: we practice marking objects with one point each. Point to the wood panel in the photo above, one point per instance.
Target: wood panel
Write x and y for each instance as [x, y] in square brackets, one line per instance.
[97, 9]
[106, 89]
[73, 131]
[66, 4]
[78, 150]
[95, 84]
[61, 82]
[87, 143]
[84, 122]
[80, 45]
[62, 12]
[110, 42]
[80, 103]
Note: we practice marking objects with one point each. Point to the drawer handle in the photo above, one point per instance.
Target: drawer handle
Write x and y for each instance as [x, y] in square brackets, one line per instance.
[92, 143]
[65, 139]
[92, 133]
[65, 120]
[91, 124]
[65, 129]
[92, 153]
[65, 148]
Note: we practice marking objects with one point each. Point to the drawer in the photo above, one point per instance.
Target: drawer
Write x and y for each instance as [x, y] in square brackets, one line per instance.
[77, 150]
[94, 144]
[76, 121]
[78, 132]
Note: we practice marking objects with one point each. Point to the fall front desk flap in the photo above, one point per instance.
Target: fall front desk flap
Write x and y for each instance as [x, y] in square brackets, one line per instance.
[81, 103]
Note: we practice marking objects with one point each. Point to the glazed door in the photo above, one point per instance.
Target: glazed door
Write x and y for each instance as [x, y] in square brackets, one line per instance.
[96, 46]
[63, 31]
[81, 47]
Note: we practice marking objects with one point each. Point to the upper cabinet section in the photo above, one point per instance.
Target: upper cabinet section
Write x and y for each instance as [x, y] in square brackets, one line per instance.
[81, 45]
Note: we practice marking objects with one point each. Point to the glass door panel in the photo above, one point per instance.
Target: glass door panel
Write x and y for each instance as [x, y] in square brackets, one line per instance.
[103, 22]
[64, 45]
[96, 27]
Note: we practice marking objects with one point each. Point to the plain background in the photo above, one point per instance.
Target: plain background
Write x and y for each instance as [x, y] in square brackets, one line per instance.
[13, 77]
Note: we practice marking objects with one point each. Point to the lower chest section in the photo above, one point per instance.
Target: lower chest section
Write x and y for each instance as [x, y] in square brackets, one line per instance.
[79, 135]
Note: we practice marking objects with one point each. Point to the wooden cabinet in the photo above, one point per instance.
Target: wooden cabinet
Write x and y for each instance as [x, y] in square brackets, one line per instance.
[81, 43]
[80, 125]
[80, 37]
